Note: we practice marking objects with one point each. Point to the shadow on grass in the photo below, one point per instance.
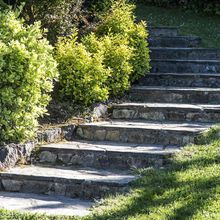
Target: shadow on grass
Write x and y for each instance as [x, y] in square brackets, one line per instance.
[184, 190]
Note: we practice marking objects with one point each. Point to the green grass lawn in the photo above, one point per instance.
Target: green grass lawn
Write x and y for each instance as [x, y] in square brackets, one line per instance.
[189, 188]
[190, 23]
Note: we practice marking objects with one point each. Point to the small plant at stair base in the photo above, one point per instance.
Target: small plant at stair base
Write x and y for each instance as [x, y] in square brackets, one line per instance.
[27, 70]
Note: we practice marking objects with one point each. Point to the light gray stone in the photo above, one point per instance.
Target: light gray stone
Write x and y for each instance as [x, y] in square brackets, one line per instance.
[12, 185]
[60, 189]
[100, 111]
[65, 158]
[113, 135]
[100, 135]
[48, 205]
[11, 154]
[50, 135]
[47, 156]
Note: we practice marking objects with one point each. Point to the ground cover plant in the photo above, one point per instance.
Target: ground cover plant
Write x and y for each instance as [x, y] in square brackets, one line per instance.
[188, 188]
[27, 70]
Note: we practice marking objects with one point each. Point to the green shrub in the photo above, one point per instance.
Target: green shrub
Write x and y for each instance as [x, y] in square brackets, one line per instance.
[82, 73]
[116, 58]
[27, 71]
[59, 17]
[104, 62]
[121, 21]
[99, 6]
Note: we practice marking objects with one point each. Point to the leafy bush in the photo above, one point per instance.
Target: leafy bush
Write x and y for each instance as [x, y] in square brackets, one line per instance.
[82, 74]
[211, 7]
[116, 58]
[106, 61]
[27, 71]
[59, 17]
[99, 5]
[121, 21]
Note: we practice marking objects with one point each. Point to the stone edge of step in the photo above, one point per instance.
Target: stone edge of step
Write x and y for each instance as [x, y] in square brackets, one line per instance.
[202, 108]
[185, 49]
[171, 88]
[186, 61]
[162, 150]
[13, 175]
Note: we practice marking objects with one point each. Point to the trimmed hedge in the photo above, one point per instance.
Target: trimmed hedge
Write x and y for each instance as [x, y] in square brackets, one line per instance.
[27, 70]
[211, 7]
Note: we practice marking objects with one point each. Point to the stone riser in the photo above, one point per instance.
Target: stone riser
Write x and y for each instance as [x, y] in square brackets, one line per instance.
[174, 42]
[136, 135]
[187, 53]
[181, 80]
[165, 96]
[102, 159]
[163, 31]
[166, 114]
[184, 66]
[60, 187]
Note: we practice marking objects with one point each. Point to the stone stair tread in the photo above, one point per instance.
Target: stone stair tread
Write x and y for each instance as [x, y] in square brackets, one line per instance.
[169, 105]
[61, 174]
[187, 74]
[186, 61]
[176, 37]
[109, 146]
[185, 48]
[171, 88]
[163, 27]
[152, 125]
[41, 204]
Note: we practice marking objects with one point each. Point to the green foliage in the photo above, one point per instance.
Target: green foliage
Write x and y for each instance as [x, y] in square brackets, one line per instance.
[82, 73]
[121, 21]
[27, 71]
[189, 22]
[99, 6]
[211, 7]
[59, 17]
[119, 50]
[116, 55]
[213, 134]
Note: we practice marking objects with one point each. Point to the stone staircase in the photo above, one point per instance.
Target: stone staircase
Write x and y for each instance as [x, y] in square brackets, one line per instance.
[166, 110]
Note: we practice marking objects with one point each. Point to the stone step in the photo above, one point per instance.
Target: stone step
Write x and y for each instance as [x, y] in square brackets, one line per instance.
[163, 31]
[209, 80]
[185, 53]
[185, 66]
[167, 112]
[105, 154]
[44, 205]
[185, 95]
[176, 41]
[73, 183]
[143, 132]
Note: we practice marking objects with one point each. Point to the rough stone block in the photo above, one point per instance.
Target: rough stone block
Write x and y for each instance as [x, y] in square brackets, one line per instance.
[12, 185]
[47, 157]
[11, 154]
